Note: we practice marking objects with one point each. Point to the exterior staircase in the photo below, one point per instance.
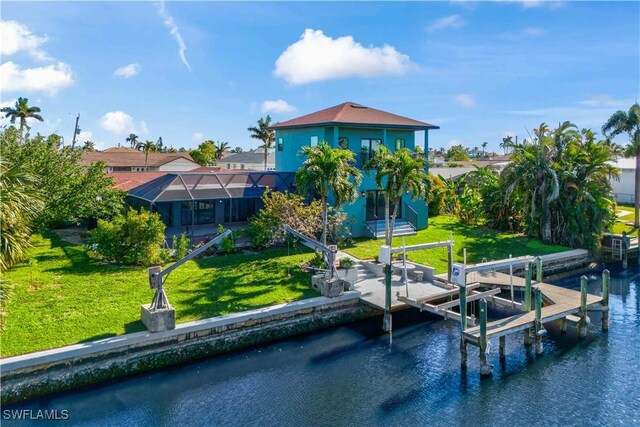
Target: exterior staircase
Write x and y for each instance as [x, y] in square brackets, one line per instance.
[400, 228]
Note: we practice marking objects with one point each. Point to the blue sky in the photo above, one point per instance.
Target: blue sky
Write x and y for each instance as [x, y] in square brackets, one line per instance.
[190, 71]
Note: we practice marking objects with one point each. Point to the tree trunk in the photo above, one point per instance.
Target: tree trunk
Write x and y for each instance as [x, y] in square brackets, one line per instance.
[146, 156]
[324, 221]
[637, 192]
[265, 156]
[387, 234]
[393, 219]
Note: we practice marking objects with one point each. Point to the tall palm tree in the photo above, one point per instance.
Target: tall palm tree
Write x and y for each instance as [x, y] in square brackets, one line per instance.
[221, 147]
[507, 142]
[268, 137]
[89, 146]
[628, 122]
[328, 170]
[147, 147]
[132, 139]
[23, 112]
[484, 147]
[397, 174]
[20, 204]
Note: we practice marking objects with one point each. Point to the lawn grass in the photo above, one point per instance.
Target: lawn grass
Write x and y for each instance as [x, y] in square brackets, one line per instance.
[624, 223]
[68, 296]
[480, 242]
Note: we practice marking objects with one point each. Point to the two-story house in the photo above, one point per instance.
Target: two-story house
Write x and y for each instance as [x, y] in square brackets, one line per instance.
[360, 129]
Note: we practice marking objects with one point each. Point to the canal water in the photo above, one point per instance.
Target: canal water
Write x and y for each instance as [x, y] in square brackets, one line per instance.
[354, 376]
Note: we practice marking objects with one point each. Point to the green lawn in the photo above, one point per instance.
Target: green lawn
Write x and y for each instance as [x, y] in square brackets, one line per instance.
[73, 297]
[622, 222]
[480, 243]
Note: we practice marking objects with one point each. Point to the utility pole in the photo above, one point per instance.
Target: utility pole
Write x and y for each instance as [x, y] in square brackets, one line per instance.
[76, 131]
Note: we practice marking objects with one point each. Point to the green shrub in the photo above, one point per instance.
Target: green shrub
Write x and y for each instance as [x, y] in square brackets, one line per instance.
[346, 263]
[181, 246]
[133, 239]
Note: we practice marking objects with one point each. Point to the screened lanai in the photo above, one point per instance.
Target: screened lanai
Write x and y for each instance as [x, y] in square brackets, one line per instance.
[197, 202]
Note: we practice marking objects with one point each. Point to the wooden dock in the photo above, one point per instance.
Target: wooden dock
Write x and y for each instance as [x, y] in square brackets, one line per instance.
[564, 302]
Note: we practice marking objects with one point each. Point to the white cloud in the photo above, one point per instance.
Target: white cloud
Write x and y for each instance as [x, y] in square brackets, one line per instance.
[453, 142]
[117, 122]
[85, 135]
[316, 57]
[128, 71]
[527, 4]
[277, 106]
[17, 37]
[48, 79]
[466, 100]
[451, 21]
[174, 31]
[142, 128]
[198, 137]
[9, 103]
[606, 100]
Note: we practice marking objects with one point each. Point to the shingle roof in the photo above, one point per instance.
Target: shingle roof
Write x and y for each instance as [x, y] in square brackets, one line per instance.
[247, 157]
[355, 114]
[122, 158]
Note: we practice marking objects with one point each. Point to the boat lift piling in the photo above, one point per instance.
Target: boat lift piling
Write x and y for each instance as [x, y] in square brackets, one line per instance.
[605, 300]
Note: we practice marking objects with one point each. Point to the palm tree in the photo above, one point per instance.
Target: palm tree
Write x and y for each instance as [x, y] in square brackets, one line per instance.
[397, 174]
[484, 147]
[20, 204]
[147, 147]
[506, 143]
[262, 132]
[221, 147]
[629, 123]
[237, 150]
[133, 140]
[328, 170]
[23, 112]
[89, 146]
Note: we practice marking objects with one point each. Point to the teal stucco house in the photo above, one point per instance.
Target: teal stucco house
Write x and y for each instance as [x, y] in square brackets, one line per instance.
[360, 129]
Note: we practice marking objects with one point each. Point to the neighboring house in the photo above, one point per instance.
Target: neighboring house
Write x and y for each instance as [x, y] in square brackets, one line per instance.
[248, 160]
[121, 159]
[624, 189]
[362, 130]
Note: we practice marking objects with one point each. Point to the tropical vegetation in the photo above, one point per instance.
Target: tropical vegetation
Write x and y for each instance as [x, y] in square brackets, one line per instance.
[326, 170]
[262, 133]
[22, 111]
[622, 122]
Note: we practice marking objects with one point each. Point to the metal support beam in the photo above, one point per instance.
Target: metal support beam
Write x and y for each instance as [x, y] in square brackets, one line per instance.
[386, 323]
[463, 308]
[527, 288]
[468, 298]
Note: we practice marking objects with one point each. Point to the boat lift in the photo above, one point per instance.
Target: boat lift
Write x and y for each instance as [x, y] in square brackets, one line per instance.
[159, 315]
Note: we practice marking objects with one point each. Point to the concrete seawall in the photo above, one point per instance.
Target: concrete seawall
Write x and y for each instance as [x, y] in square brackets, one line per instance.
[37, 374]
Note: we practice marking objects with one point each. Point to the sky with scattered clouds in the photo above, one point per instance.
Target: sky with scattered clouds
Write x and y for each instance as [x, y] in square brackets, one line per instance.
[189, 71]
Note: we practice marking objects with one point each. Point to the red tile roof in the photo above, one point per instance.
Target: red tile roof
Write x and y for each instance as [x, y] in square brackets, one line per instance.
[128, 180]
[356, 114]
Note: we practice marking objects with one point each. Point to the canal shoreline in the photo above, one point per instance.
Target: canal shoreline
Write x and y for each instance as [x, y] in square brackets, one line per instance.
[34, 375]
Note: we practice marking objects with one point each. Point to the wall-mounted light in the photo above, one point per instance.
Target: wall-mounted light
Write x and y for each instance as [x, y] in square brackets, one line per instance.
[363, 194]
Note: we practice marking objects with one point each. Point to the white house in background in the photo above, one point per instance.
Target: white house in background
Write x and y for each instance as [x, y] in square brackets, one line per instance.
[123, 159]
[248, 160]
[625, 188]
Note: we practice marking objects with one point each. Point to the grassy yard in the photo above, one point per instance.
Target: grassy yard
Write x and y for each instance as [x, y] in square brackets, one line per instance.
[480, 243]
[67, 296]
[623, 220]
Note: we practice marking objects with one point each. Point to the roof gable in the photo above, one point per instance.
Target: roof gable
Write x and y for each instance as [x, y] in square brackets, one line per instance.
[354, 114]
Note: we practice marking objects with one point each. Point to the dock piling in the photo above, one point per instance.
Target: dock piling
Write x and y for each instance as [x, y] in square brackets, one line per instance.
[486, 369]
[463, 352]
[463, 308]
[386, 324]
[625, 250]
[526, 306]
[539, 269]
[502, 346]
[540, 331]
[583, 307]
[605, 300]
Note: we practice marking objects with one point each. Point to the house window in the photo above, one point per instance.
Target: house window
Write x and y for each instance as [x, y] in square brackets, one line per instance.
[367, 149]
[400, 143]
[280, 144]
[343, 142]
[228, 165]
[242, 166]
[314, 141]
